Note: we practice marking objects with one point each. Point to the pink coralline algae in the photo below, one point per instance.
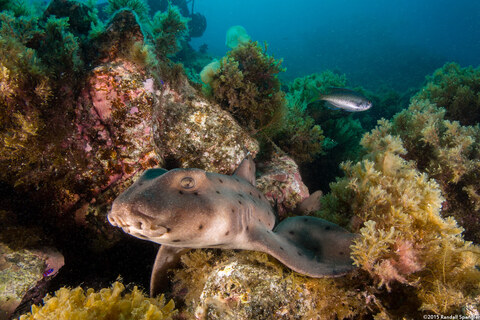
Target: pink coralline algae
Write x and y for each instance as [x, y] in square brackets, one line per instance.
[282, 184]
[114, 126]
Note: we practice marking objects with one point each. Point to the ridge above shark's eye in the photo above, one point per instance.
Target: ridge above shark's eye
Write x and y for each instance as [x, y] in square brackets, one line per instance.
[187, 183]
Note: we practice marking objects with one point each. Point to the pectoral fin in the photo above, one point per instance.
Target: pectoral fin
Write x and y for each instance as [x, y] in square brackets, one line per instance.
[331, 105]
[167, 258]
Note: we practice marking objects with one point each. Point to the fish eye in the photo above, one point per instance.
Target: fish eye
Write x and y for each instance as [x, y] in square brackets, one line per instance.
[187, 183]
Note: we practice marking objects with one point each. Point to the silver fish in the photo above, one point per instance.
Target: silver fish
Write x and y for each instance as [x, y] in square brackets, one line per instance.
[346, 99]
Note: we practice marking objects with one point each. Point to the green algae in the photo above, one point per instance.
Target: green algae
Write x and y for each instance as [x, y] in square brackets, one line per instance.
[140, 7]
[169, 29]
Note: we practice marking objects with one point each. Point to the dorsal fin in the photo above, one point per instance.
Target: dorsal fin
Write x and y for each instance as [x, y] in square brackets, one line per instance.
[246, 169]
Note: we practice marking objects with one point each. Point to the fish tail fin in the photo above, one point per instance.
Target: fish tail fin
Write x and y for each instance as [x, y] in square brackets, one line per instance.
[313, 99]
[316, 96]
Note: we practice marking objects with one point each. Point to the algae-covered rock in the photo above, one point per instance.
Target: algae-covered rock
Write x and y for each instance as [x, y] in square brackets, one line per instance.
[114, 137]
[124, 38]
[21, 270]
[108, 303]
[140, 7]
[115, 122]
[192, 132]
[252, 285]
[83, 133]
[27, 261]
[282, 185]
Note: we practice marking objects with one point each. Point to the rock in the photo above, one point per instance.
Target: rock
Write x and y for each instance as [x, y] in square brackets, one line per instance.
[26, 263]
[246, 285]
[21, 270]
[120, 34]
[114, 112]
[282, 185]
[192, 132]
[113, 120]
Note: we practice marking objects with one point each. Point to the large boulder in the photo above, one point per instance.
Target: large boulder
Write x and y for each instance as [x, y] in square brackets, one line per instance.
[282, 185]
[192, 132]
[27, 262]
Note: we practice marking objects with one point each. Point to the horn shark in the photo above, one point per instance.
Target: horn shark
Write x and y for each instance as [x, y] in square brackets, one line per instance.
[191, 208]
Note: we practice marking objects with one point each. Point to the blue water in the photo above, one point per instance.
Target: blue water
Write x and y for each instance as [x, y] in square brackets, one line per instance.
[375, 42]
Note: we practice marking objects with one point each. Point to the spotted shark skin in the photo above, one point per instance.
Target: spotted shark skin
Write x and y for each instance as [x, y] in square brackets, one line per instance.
[190, 208]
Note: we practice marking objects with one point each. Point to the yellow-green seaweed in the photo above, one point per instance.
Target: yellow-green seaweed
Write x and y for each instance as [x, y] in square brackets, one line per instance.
[404, 239]
[247, 86]
[108, 303]
[447, 152]
[457, 90]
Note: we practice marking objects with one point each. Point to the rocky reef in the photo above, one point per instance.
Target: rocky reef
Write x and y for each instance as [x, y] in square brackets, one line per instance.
[28, 261]
[253, 285]
[87, 105]
[406, 248]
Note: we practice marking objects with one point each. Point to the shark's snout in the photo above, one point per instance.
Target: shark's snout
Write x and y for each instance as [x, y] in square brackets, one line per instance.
[135, 222]
[115, 221]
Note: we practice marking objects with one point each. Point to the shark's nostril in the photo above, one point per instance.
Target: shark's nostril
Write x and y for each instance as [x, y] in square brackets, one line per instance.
[119, 221]
[112, 220]
[138, 224]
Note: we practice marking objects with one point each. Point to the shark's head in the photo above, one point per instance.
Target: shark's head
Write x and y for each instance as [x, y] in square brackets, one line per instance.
[174, 207]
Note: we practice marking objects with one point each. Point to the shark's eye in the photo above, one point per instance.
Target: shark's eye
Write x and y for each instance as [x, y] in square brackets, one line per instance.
[187, 183]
